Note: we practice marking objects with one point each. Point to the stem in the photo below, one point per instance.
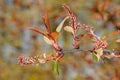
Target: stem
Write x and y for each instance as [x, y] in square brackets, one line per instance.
[105, 52]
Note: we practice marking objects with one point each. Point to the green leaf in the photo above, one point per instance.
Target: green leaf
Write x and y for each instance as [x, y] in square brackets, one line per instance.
[61, 24]
[99, 51]
[47, 40]
[69, 29]
[56, 68]
[96, 56]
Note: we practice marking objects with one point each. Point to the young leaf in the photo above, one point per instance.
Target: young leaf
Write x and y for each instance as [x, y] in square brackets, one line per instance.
[47, 40]
[59, 27]
[54, 35]
[69, 29]
[96, 57]
[56, 68]
[46, 22]
[39, 30]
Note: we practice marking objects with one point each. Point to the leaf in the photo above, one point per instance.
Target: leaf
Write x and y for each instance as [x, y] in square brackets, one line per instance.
[109, 56]
[96, 57]
[47, 40]
[69, 29]
[56, 68]
[80, 36]
[99, 51]
[97, 54]
[118, 40]
[59, 27]
[54, 35]
[39, 30]
[46, 22]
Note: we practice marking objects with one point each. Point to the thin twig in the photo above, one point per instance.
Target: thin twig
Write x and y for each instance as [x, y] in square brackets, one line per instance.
[105, 52]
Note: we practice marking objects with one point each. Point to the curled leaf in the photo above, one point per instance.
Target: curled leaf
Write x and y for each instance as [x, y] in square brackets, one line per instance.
[47, 40]
[69, 29]
[56, 68]
[59, 27]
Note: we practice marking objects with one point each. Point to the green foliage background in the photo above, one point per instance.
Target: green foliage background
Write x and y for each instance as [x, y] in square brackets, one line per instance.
[15, 39]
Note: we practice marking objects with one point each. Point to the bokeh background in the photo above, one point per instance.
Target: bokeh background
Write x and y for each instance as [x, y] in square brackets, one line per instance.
[15, 39]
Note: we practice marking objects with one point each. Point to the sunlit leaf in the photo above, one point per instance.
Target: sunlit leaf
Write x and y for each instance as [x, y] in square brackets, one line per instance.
[109, 56]
[56, 67]
[96, 57]
[54, 35]
[69, 29]
[118, 40]
[59, 27]
[47, 40]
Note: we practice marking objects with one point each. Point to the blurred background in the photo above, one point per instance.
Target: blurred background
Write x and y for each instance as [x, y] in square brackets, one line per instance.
[15, 39]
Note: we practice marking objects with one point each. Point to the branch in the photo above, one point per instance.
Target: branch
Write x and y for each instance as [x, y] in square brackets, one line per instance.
[40, 59]
[106, 53]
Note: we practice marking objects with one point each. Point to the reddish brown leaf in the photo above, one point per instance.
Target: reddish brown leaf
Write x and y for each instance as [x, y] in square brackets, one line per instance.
[111, 34]
[54, 35]
[39, 30]
[46, 22]
[82, 35]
